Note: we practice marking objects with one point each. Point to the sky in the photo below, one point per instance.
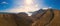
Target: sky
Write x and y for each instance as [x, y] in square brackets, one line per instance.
[27, 5]
[53, 3]
[5, 4]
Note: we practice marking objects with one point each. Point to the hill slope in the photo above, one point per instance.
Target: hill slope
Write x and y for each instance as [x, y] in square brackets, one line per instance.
[48, 17]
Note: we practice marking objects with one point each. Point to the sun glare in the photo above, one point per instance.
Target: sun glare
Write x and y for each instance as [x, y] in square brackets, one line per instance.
[30, 5]
[28, 2]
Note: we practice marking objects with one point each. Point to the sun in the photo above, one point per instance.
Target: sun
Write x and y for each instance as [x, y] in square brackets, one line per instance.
[28, 2]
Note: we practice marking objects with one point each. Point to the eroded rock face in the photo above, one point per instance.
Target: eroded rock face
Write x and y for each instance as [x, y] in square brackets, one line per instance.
[49, 17]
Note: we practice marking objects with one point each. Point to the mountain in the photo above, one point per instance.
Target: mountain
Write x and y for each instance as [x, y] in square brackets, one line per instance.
[49, 17]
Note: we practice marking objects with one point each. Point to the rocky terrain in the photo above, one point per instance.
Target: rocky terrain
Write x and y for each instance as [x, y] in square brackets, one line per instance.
[49, 17]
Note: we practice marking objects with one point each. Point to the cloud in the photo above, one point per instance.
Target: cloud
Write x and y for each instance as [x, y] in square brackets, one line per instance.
[4, 2]
[23, 9]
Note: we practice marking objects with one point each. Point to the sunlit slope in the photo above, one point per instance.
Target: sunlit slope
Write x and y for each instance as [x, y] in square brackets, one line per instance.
[44, 18]
[7, 20]
[56, 19]
[49, 18]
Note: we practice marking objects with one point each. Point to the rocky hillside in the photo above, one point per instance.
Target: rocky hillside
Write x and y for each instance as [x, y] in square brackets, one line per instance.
[47, 17]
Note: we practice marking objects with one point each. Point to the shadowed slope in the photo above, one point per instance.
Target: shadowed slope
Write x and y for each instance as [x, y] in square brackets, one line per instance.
[23, 19]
